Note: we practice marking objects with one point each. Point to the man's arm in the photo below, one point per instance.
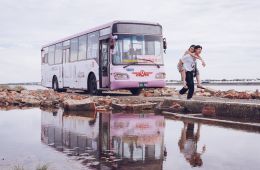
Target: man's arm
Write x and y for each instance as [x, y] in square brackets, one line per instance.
[199, 58]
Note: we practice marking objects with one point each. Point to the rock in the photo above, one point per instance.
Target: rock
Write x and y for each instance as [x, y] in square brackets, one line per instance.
[230, 96]
[207, 94]
[255, 95]
[79, 105]
[49, 103]
[101, 109]
[209, 111]
[25, 92]
[133, 106]
[148, 94]
[30, 101]
[244, 95]
[176, 107]
[18, 88]
[105, 101]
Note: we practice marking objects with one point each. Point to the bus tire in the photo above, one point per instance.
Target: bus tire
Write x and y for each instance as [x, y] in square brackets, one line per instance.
[92, 84]
[136, 91]
[55, 84]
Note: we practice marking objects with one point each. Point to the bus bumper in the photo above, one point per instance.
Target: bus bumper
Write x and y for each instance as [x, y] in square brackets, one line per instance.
[117, 84]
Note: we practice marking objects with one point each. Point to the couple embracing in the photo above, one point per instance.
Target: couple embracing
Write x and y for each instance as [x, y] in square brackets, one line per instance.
[187, 66]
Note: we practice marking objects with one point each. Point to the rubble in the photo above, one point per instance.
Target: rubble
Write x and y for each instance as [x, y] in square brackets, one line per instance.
[18, 96]
[159, 92]
[133, 105]
[207, 92]
[208, 111]
[79, 105]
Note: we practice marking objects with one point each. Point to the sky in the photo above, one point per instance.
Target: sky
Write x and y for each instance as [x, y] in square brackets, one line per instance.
[229, 32]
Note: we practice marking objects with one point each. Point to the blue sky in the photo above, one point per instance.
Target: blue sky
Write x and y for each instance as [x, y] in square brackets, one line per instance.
[229, 32]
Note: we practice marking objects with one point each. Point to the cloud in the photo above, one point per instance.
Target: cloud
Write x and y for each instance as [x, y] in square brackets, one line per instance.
[228, 31]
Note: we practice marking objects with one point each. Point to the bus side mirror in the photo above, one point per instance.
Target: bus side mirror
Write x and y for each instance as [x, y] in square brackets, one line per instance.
[164, 45]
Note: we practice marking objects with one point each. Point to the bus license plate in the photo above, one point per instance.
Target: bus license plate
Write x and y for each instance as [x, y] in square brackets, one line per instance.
[143, 84]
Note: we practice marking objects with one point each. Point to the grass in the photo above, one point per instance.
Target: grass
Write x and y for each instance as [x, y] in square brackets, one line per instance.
[5, 87]
[14, 88]
[18, 88]
[39, 167]
[18, 167]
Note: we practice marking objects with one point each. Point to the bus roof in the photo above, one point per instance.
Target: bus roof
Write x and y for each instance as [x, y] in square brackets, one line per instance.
[110, 24]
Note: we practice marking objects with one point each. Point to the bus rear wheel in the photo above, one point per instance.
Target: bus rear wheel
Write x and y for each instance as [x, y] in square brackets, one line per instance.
[136, 91]
[92, 85]
[55, 84]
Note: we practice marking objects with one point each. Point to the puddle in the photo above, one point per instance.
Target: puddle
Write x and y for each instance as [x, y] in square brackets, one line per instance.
[86, 140]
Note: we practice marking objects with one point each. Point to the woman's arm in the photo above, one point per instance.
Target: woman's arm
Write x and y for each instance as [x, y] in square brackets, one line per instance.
[198, 57]
[194, 55]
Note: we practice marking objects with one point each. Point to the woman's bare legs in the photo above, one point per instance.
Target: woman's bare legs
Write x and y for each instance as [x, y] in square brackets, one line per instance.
[183, 78]
[198, 81]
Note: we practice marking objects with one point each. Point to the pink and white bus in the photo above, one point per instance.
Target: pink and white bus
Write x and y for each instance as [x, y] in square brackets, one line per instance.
[117, 55]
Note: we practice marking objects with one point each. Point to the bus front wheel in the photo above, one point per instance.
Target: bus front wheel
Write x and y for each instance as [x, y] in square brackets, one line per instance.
[136, 91]
[92, 84]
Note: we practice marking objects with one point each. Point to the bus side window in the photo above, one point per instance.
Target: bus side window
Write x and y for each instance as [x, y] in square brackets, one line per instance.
[44, 54]
[82, 47]
[66, 51]
[51, 54]
[74, 46]
[58, 53]
[92, 51]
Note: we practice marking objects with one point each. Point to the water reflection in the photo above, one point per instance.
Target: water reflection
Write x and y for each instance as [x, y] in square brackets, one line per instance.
[106, 140]
[190, 136]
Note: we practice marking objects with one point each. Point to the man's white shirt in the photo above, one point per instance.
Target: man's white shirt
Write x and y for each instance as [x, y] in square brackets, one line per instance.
[188, 62]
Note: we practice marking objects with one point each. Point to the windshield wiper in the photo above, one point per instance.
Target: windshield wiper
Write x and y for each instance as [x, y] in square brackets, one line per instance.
[158, 66]
[132, 63]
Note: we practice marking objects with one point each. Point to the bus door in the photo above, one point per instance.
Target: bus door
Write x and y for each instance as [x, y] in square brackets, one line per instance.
[66, 73]
[103, 64]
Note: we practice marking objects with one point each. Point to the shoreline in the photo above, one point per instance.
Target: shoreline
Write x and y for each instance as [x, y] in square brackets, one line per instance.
[220, 84]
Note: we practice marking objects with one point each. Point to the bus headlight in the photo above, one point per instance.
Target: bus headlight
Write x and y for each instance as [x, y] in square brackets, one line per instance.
[121, 76]
[160, 75]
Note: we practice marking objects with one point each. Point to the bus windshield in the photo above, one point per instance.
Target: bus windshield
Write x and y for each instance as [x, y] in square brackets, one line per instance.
[138, 49]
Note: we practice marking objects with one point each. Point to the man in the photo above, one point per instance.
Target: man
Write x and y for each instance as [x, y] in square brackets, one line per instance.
[182, 69]
[188, 144]
[189, 66]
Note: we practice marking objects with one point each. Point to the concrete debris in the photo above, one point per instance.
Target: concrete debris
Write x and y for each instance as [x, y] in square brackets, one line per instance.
[20, 97]
[208, 111]
[79, 105]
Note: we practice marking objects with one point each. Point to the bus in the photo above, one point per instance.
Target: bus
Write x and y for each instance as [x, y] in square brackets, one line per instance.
[117, 55]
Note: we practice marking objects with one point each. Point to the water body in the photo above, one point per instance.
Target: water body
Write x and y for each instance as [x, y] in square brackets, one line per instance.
[227, 87]
[217, 87]
[86, 140]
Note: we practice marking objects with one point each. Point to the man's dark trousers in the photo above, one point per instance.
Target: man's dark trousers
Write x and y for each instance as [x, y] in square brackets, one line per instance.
[190, 84]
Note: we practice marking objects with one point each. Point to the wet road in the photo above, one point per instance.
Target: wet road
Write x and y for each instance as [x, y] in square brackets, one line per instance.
[75, 140]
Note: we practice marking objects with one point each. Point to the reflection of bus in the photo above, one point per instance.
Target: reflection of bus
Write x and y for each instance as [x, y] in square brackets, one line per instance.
[70, 132]
[130, 141]
[117, 55]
